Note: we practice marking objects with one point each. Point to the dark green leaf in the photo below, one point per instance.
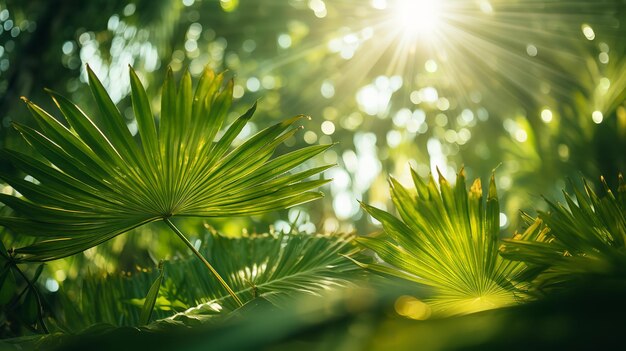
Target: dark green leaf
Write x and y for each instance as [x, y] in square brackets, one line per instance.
[151, 297]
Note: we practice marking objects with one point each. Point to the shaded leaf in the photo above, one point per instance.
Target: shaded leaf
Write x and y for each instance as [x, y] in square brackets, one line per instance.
[585, 240]
[30, 307]
[7, 285]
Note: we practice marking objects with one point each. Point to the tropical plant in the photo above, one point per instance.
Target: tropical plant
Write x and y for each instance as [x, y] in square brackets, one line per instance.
[358, 319]
[101, 182]
[276, 267]
[446, 239]
[585, 240]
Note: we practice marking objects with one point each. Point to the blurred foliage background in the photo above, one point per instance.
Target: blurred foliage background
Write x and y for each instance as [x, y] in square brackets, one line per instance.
[532, 88]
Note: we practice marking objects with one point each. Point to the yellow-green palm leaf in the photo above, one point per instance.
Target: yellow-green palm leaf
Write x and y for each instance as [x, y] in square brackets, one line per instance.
[446, 238]
[101, 181]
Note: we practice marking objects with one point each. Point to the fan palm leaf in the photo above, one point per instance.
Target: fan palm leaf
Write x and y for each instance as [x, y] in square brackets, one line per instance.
[277, 267]
[585, 239]
[447, 239]
[101, 181]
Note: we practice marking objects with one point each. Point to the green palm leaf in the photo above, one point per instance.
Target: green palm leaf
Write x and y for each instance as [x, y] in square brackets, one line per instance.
[585, 240]
[101, 182]
[447, 239]
[276, 267]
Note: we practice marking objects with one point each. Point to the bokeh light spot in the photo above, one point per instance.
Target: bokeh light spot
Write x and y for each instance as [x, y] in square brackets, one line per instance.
[328, 127]
[597, 117]
[588, 32]
[546, 115]
[410, 307]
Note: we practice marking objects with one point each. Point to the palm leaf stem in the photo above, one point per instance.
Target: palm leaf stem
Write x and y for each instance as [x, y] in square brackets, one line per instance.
[206, 263]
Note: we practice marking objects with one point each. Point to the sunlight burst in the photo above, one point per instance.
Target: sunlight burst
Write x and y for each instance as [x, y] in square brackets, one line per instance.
[419, 17]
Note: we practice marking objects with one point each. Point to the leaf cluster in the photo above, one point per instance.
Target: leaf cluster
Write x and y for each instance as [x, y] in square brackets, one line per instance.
[583, 240]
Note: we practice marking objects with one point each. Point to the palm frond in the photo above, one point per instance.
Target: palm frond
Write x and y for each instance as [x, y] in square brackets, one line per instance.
[447, 239]
[273, 266]
[276, 267]
[582, 240]
[100, 181]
